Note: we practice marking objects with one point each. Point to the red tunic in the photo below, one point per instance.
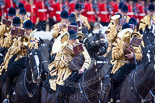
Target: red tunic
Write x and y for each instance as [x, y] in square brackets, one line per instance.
[103, 12]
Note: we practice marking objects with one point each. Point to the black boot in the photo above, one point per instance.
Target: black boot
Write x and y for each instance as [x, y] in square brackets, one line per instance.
[59, 95]
[7, 90]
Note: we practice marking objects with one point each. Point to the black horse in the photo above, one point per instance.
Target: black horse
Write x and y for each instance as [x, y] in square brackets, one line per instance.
[3, 51]
[137, 85]
[27, 85]
[89, 87]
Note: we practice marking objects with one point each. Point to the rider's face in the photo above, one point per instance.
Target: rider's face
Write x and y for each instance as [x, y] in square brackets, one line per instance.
[10, 18]
[124, 13]
[16, 26]
[28, 31]
[151, 13]
[72, 42]
[64, 20]
[22, 16]
[78, 12]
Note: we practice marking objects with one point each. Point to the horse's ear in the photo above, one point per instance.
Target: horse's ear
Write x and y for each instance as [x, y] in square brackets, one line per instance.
[41, 40]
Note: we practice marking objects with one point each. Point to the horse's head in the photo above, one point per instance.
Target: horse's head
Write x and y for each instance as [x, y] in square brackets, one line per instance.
[101, 41]
[35, 65]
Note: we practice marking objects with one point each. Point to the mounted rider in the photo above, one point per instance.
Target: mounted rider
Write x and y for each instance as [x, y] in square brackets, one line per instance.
[20, 5]
[9, 37]
[68, 42]
[62, 26]
[18, 51]
[133, 24]
[149, 20]
[124, 12]
[23, 15]
[83, 21]
[6, 28]
[124, 56]
[112, 31]
[72, 21]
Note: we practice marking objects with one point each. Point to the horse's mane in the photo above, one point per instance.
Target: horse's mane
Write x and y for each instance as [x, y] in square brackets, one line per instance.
[142, 67]
[17, 66]
[150, 47]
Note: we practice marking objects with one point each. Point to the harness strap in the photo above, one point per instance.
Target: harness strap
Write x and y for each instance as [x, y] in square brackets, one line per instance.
[25, 88]
[82, 90]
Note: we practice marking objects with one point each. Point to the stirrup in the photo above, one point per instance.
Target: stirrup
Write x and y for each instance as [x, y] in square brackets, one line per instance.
[111, 100]
[6, 100]
[117, 101]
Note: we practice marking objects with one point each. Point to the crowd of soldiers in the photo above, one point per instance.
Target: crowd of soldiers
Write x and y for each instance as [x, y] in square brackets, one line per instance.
[42, 12]
[121, 31]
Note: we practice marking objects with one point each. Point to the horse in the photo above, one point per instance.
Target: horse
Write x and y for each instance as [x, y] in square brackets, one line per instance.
[148, 34]
[148, 52]
[27, 85]
[99, 29]
[45, 50]
[3, 51]
[43, 35]
[136, 86]
[88, 87]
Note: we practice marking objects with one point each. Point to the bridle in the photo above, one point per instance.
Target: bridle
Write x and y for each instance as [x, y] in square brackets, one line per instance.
[34, 53]
[98, 92]
[133, 85]
[31, 82]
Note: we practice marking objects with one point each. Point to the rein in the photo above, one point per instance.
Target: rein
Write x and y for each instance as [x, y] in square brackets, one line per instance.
[98, 92]
[133, 86]
[30, 82]
[30, 94]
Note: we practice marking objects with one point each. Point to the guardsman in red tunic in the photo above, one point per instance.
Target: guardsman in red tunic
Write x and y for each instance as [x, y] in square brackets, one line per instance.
[28, 9]
[71, 6]
[50, 5]
[104, 13]
[58, 7]
[41, 14]
[90, 13]
[130, 7]
[112, 3]
[141, 9]
[1, 9]
[116, 6]
[25, 2]
[31, 10]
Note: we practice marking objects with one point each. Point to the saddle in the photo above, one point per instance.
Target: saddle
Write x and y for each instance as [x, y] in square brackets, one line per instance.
[69, 86]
